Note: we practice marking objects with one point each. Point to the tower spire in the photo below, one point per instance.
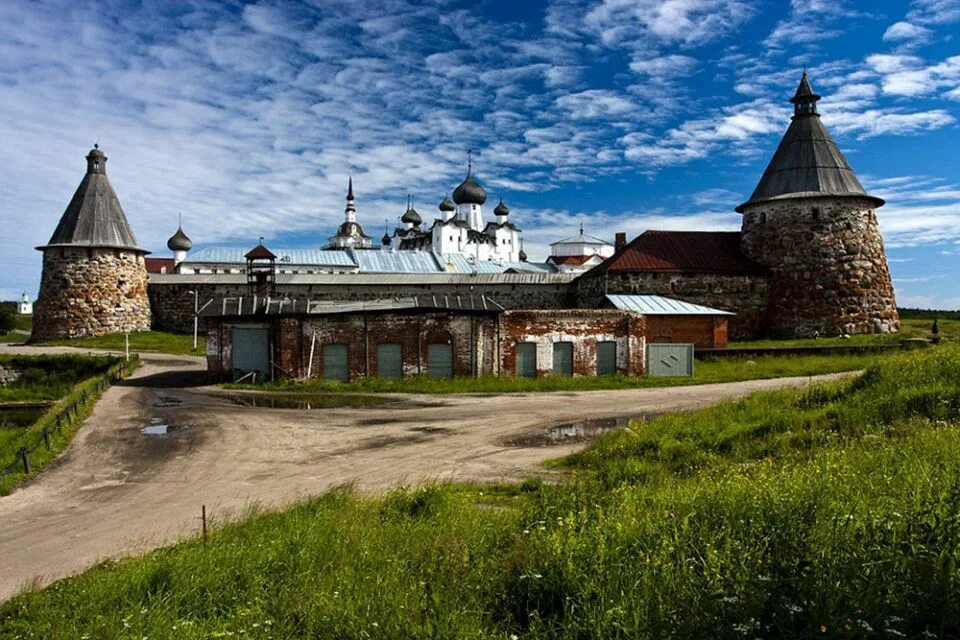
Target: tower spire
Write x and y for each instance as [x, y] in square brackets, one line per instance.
[350, 213]
[804, 100]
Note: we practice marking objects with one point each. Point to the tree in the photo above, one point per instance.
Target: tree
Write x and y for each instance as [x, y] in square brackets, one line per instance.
[6, 318]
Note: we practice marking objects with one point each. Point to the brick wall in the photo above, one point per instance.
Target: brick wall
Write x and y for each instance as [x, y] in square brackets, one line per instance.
[582, 327]
[704, 332]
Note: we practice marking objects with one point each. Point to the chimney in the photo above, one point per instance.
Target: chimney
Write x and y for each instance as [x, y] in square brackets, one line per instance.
[620, 240]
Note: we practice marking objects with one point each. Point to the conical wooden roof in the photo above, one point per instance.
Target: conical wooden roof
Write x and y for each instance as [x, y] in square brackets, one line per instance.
[94, 217]
[808, 163]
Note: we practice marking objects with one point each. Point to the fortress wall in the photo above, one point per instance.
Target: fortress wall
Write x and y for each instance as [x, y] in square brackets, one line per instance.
[91, 292]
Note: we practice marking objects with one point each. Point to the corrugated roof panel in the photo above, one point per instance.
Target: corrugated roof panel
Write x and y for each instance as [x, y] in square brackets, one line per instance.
[651, 305]
[234, 255]
[399, 262]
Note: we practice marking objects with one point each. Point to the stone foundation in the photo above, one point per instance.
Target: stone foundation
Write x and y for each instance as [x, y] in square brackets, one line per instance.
[830, 274]
[91, 292]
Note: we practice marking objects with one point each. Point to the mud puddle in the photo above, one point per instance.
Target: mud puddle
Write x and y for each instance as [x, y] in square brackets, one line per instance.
[158, 427]
[573, 432]
[303, 402]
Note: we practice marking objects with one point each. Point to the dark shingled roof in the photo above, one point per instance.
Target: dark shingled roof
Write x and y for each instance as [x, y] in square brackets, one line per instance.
[260, 252]
[94, 217]
[808, 163]
[683, 252]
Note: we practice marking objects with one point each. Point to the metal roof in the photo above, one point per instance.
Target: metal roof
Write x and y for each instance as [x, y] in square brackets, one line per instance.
[808, 162]
[650, 305]
[235, 255]
[267, 305]
[683, 252]
[94, 217]
[396, 262]
[371, 279]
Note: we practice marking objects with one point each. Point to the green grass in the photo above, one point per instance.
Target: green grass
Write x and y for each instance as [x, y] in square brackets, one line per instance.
[49, 377]
[828, 512]
[707, 371]
[77, 382]
[144, 341]
[909, 328]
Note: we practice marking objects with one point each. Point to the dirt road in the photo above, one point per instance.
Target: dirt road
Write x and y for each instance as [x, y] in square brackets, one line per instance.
[117, 491]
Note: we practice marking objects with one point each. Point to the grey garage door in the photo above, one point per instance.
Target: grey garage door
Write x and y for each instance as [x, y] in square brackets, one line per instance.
[563, 359]
[606, 358]
[439, 360]
[389, 361]
[335, 362]
[251, 352]
[670, 359]
[526, 359]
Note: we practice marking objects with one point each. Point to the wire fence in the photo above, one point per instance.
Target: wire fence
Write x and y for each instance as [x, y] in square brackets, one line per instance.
[65, 413]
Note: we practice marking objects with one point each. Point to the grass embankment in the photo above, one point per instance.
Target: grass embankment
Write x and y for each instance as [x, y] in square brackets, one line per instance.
[22, 325]
[76, 382]
[145, 341]
[707, 371]
[825, 512]
[909, 328]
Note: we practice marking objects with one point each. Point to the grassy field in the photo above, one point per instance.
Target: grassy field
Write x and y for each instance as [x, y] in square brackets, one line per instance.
[827, 512]
[144, 341]
[74, 381]
[718, 370]
[909, 328]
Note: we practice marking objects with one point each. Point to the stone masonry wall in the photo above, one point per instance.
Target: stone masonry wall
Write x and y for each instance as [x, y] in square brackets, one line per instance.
[830, 273]
[173, 304]
[91, 292]
[743, 295]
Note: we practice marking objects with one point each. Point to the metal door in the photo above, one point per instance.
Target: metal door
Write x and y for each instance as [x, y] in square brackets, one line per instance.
[563, 359]
[439, 360]
[335, 362]
[389, 360]
[526, 359]
[670, 359]
[251, 352]
[606, 358]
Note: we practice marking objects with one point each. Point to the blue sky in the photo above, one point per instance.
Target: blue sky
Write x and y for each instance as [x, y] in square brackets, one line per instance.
[622, 114]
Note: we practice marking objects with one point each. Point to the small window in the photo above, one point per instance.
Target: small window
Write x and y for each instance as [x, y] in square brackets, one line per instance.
[763, 217]
[816, 213]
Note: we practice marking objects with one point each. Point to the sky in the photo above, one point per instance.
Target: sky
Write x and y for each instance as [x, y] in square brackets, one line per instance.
[622, 115]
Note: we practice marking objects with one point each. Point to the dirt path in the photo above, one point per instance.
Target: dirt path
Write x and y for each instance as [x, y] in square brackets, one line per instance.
[117, 491]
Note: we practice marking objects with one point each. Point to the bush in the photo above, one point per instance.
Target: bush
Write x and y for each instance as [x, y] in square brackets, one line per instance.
[7, 319]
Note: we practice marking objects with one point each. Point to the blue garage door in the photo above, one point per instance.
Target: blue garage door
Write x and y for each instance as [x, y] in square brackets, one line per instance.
[251, 352]
[563, 359]
[606, 358]
[389, 360]
[335, 362]
[439, 360]
[526, 359]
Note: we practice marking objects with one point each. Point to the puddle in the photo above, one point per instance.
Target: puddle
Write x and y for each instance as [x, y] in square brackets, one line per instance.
[270, 401]
[157, 427]
[572, 432]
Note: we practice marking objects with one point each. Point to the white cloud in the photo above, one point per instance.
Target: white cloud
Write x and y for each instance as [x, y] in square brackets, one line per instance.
[907, 75]
[905, 31]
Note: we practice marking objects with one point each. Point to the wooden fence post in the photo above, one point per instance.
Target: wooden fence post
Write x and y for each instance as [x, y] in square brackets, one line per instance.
[46, 437]
[25, 459]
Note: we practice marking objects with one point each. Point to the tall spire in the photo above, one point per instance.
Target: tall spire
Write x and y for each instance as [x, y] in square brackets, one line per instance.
[804, 100]
[350, 213]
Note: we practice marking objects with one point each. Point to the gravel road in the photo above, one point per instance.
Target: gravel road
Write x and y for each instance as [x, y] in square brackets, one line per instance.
[117, 491]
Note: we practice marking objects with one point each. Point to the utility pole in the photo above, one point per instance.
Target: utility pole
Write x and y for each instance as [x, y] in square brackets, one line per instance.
[196, 315]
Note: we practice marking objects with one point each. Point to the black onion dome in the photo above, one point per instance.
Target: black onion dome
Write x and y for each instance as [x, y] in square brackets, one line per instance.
[179, 241]
[523, 255]
[501, 209]
[469, 191]
[411, 216]
[385, 239]
[447, 204]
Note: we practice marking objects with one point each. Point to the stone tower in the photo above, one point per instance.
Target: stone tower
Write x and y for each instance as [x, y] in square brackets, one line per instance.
[813, 225]
[94, 280]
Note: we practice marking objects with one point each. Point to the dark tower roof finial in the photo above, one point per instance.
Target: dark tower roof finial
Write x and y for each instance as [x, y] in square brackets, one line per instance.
[350, 189]
[804, 100]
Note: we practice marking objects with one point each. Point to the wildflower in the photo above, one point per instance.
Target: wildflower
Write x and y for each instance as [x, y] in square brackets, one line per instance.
[823, 628]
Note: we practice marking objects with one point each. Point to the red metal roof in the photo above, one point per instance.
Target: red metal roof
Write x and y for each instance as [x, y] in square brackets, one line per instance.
[156, 265]
[575, 260]
[683, 252]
